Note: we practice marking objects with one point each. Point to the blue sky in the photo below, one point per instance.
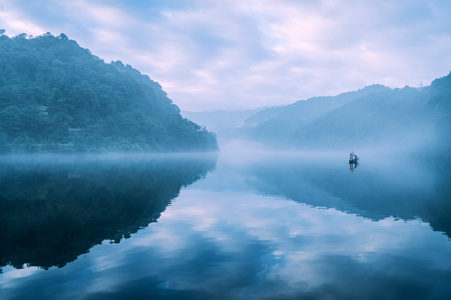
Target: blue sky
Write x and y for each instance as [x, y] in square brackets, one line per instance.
[235, 54]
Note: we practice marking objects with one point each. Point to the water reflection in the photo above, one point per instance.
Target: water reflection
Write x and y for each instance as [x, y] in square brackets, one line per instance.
[353, 166]
[54, 208]
[213, 245]
[238, 234]
[353, 161]
[403, 189]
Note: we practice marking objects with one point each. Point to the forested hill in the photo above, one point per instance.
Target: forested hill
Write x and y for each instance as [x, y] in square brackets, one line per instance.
[57, 96]
[409, 119]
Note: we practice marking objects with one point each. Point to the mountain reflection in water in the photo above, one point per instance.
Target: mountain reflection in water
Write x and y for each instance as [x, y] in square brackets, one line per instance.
[54, 208]
[267, 227]
[399, 188]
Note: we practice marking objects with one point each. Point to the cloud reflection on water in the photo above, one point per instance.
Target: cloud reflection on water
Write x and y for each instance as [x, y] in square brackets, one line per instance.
[257, 247]
[217, 242]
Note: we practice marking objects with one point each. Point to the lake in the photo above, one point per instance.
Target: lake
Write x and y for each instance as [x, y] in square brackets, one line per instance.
[231, 225]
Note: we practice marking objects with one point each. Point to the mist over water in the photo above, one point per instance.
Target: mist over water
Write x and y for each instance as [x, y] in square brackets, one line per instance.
[246, 223]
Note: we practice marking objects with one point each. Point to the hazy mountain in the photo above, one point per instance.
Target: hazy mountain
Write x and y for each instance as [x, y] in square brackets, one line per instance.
[410, 119]
[285, 121]
[57, 96]
[223, 123]
[405, 119]
[265, 123]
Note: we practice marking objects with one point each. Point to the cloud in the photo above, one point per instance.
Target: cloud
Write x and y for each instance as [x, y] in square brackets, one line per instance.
[234, 54]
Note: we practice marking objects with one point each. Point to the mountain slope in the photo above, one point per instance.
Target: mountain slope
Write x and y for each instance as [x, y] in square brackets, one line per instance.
[370, 120]
[57, 96]
[407, 119]
[404, 119]
[290, 118]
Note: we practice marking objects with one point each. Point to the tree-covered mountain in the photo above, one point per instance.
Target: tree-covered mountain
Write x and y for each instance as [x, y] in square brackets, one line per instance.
[408, 119]
[57, 96]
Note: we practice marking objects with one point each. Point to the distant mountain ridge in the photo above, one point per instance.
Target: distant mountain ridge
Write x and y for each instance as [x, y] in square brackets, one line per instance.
[300, 113]
[57, 96]
[376, 116]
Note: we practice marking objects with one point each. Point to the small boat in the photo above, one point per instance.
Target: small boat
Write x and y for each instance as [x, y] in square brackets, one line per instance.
[353, 159]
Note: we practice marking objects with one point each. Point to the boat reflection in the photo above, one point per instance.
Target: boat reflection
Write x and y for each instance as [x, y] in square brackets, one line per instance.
[353, 161]
[353, 166]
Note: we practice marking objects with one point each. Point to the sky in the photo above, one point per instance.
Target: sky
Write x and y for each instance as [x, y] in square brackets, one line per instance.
[234, 54]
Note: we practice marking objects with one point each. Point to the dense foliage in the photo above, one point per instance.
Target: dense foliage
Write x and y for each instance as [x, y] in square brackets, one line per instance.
[57, 96]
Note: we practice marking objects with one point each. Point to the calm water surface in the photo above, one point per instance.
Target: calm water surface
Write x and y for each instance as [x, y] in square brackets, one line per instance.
[271, 226]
